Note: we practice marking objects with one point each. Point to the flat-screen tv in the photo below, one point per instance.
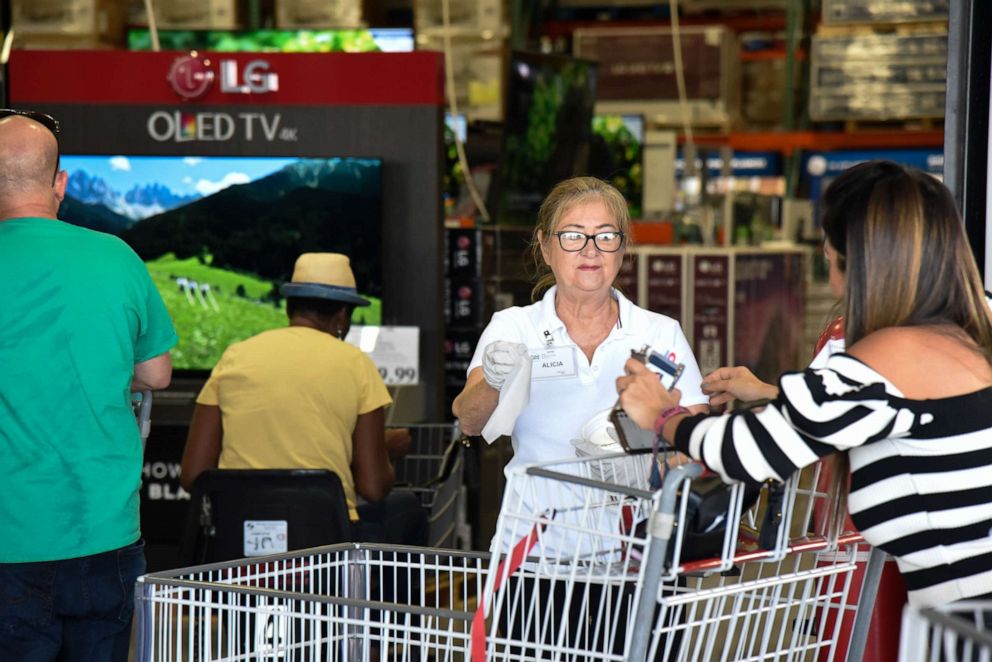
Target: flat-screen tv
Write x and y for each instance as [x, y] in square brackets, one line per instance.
[342, 40]
[616, 155]
[220, 234]
[455, 126]
[547, 118]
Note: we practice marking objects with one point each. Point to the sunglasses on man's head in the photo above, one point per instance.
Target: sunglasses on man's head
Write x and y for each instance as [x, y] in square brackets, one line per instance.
[43, 119]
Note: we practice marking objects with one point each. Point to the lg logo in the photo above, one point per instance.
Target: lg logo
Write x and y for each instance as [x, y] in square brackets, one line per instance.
[191, 76]
[255, 78]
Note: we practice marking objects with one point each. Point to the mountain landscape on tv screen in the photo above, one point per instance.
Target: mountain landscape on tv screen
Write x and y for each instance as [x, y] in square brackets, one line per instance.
[219, 254]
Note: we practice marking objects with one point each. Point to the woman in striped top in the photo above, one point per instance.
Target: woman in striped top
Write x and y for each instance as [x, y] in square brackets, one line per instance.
[909, 404]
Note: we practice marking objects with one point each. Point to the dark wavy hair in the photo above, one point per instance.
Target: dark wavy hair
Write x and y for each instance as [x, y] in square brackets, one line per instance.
[904, 253]
[906, 260]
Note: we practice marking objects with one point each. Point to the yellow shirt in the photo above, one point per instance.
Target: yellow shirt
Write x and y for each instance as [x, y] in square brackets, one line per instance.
[289, 399]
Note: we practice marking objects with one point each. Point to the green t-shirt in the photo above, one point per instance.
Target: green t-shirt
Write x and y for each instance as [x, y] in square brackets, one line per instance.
[77, 311]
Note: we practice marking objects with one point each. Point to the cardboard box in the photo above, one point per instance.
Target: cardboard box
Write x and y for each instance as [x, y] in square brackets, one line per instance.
[878, 76]
[462, 252]
[464, 16]
[854, 11]
[76, 18]
[188, 14]
[737, 306]
[637, 72]
[464, 302]
[319, 14]
[763, 92]
[477, 69]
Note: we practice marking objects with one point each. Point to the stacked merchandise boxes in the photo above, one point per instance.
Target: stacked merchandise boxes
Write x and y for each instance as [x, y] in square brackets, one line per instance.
[463, 16]
[475, 32]
[853, 11]
[462, 305]
[485, 271]
[66, 23]
[302, 14]
[637, 72]
[736, 305]
[189, 14]
[879, 60]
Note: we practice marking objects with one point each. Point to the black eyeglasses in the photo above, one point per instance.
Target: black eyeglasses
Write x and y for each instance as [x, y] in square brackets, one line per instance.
[43, 119]
[572, 241]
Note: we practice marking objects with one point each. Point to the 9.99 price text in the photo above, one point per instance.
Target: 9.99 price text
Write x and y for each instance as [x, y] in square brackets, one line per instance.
[398, 375]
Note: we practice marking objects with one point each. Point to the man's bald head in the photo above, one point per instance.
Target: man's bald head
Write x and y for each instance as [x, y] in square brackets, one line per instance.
[28, 157]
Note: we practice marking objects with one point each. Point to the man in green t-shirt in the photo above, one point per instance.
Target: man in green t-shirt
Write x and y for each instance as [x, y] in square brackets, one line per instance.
[81, 327]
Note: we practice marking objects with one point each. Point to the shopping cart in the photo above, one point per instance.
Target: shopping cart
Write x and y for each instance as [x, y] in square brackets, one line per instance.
[434, 470]
[589, 576]
[957, 632]
[343, 602]
[582, 569]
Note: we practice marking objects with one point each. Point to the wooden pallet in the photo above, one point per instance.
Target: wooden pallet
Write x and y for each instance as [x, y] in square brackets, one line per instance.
[909, 124]
[867, 29]
[700, 127]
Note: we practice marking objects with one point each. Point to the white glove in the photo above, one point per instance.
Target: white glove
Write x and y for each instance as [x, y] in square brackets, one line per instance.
[499, 360]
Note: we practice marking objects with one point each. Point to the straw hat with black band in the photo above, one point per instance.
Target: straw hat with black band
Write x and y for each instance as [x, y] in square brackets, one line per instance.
[323, 276]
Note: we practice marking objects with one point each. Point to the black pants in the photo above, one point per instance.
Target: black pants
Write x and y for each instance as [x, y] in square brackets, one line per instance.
[540, 613]
[593, 613]
[399, 519]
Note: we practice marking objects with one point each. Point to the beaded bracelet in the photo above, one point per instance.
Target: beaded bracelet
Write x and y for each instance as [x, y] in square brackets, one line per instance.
[664, 416]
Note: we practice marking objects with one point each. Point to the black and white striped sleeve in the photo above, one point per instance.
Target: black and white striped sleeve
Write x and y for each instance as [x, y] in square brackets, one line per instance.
[818, 412]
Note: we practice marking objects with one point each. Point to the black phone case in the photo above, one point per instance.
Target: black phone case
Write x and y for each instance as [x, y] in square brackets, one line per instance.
[632, 437]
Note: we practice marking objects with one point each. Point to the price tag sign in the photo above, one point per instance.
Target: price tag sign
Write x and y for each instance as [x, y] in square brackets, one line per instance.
[395, 350]
[265, 537]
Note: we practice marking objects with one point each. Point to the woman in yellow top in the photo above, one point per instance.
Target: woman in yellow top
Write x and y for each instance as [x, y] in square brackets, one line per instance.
[301, 397]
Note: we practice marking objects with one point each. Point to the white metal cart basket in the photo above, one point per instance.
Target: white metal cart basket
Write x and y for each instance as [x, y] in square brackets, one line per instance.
[588, 576]
[342, 602]
[603, 577]
[958, 632]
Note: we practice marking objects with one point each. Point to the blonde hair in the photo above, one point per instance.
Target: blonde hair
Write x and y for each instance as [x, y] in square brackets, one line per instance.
[563, 197]
[907, 262]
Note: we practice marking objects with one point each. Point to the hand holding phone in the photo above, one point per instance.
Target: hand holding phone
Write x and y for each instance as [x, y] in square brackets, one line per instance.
[631, 436]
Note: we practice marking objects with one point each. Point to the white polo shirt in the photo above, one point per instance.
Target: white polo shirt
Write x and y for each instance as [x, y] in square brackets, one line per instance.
[559, 407]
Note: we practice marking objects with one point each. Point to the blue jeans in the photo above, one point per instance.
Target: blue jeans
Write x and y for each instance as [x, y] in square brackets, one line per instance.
[74, 609]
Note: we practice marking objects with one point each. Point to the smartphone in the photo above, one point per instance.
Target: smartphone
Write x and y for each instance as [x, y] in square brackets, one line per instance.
[632, 437]
[669, 370]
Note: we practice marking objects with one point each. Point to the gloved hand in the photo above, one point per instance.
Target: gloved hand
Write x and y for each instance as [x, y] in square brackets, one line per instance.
[499, 360]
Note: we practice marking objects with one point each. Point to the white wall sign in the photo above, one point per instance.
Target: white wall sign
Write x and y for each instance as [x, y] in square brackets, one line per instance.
[395, 350]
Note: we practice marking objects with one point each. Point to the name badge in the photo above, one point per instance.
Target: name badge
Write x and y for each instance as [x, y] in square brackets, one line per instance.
[553, 363]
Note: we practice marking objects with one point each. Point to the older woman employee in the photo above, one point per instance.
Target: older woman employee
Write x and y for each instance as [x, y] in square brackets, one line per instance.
[580, 333]
[576, 340]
